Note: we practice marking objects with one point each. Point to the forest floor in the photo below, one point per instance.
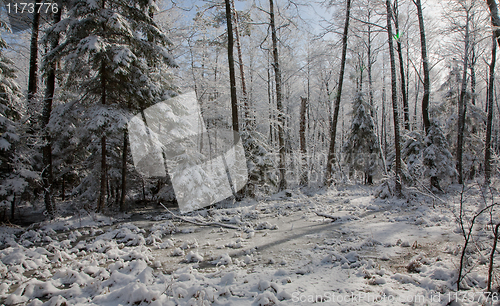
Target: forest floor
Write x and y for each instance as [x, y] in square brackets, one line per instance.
[339, 246]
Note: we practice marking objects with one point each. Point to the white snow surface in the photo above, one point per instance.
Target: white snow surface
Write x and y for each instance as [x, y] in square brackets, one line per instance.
[361, 251]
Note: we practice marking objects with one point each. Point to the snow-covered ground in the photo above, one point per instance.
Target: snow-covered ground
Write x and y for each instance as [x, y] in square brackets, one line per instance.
[338, 247]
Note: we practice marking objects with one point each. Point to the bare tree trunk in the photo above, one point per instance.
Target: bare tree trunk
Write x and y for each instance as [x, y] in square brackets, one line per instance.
[425, 67]
[489, 103]
[33, 78]
[434, 180]
[494, 247]
[333, 121]
[370, 63]
[279, 100]
[462, 106]
[394, 99]
[302, 136]
[47, 175]
[473, 77]
[63, 187]
[124, 171]
[495, 19]
[13, 208]
[383, 139]
[406, 115]
[230, 58]
[242, 70]
[102, 193]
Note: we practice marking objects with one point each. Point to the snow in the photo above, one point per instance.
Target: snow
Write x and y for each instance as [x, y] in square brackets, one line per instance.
[383, 250]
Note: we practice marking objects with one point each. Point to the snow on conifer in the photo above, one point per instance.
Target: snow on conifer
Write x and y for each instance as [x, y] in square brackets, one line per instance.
[361, 148]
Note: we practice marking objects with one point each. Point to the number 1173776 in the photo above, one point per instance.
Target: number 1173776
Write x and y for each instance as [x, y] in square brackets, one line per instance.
[30, 8]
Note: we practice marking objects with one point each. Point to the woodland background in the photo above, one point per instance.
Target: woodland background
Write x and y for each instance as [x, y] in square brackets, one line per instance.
[401, 94]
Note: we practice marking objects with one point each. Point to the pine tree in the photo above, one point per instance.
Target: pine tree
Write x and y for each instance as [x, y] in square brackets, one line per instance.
[113, 55]
[361, 148]
[436, 156]
[12, 183]
[260, 163]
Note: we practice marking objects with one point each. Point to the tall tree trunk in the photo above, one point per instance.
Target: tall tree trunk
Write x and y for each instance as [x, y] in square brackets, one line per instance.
[47, 175]
[232, 81]
[230, 58]
[425, 67]
[302, 138]
[383, 139]
[370, 63]
[102, 193]
[434, 180]
[63, 188]
[394, 100]
[33, 69]
[495, 19]
[124, 171]
[489, 103]
[473, 78]
[462, 106]
[406, 109]
[279, 100]
[240, 62]
[333, 121]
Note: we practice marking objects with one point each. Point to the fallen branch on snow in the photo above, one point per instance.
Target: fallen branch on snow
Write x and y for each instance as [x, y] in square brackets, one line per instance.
[201, 223]
[326, 216]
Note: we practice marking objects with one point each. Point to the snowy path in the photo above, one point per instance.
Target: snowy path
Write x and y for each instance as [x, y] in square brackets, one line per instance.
[284, 254]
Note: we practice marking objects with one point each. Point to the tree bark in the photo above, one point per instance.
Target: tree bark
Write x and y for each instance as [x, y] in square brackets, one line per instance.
[279, 100]
[495, 19]
[47, 175]
[124, 171]
[406, 114]
[394, 100]
[425, 67]
[102, 193]
[370, 63]
[473, 77]
[230, 58]
[333, 121]
[240, 63]
[33, 78]
[462, 106]
[488, 149]
[302, 136]
[434, 181]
